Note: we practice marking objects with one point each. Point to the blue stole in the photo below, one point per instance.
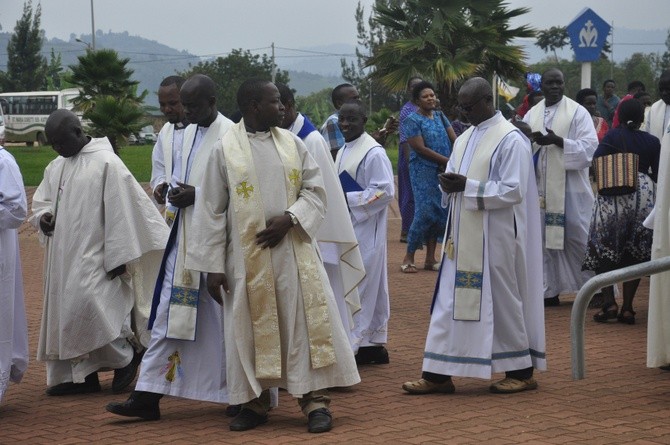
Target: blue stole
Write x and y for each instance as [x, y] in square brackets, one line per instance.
[161, 273]
[307, 128]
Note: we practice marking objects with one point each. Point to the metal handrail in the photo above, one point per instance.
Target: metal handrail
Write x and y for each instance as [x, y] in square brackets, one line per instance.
[578, 315]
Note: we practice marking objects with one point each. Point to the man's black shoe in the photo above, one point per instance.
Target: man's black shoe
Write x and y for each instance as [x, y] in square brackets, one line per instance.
[372, 355]
[247, 419]
[233, 410]
[319, 421]
[125, 376]
[91, 384]
[140, 404]
[552, 302]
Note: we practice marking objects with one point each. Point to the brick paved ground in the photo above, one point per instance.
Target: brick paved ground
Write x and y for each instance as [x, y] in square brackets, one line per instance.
[620, 401]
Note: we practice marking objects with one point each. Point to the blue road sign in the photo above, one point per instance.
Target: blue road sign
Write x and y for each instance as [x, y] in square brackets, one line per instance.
[588, 33]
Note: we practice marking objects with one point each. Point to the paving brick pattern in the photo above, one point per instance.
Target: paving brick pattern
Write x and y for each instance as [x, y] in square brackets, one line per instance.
[620, 401]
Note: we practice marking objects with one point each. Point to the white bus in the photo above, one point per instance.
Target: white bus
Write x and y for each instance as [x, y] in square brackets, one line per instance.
[27, 112]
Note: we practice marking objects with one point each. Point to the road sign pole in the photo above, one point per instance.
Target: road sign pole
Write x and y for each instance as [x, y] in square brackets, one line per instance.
[586, 74]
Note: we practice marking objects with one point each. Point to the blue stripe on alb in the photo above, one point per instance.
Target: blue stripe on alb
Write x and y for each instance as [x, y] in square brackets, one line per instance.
[459, 360]
[483, 361]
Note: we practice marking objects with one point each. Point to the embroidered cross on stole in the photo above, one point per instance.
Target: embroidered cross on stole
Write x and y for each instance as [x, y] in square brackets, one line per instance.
[469, 247]
[250, 218]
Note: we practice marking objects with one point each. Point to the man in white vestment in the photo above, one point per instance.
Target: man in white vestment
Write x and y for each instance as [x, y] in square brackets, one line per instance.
[487, 314]
[658, 328]
[336, 238]
[564, 142]
[330, 130]
[366, 175]
[166, 155]
[657, 117]
[13, 328]
[186, 354]
[104, 240]
[255, 223]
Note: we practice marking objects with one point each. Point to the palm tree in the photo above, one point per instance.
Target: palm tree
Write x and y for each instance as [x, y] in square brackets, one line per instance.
[447, 41]
[115, 118]
[107, 95]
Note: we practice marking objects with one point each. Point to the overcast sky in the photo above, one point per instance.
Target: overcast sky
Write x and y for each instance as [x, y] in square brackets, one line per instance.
[213, 27]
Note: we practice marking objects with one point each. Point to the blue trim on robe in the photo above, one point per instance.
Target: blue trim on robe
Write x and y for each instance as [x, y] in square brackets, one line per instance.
[161, 272]
[307, 128]
[483, 361]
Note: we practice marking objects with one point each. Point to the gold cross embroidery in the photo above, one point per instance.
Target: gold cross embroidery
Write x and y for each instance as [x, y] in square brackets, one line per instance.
[244, 189]
[294, 177]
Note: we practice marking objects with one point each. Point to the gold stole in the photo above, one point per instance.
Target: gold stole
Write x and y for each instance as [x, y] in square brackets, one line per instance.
[470, 247]
[554, 174]
[249, 215]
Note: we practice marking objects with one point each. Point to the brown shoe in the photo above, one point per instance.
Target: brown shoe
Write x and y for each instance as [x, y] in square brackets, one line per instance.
[509, 385]
[423, 386]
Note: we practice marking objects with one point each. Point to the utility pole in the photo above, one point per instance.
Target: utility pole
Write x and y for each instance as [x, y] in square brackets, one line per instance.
[274, 65]
[92, 28]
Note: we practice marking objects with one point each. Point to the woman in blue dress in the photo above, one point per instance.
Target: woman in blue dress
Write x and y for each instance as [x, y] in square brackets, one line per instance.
[430, 135]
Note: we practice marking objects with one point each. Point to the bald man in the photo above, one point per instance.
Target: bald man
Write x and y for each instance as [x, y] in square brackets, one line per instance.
[104, 238]
[487, 313]
[185, 357]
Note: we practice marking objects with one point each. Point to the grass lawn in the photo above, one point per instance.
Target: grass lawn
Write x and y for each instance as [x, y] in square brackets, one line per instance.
[33, 160]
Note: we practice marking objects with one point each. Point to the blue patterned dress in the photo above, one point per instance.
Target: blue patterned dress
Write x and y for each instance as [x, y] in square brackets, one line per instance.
[430, 217]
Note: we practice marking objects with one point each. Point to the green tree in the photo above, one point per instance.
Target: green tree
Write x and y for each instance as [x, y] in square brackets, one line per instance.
[107, 95]
[317, 106]
[557, 37]
[54, 72]
[229, 72]
[552, 39]
[665, 58]
[447, 41]
[26, 67]
[370, 36]
[102, 73]
[115, 118]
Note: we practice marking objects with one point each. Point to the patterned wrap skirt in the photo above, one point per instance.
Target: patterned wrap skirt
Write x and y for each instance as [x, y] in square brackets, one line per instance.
[617, 237]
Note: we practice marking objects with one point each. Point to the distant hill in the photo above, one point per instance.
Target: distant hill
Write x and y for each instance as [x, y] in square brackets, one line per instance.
[310, 69]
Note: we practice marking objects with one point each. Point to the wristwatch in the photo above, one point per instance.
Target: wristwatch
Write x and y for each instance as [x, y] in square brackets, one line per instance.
[294, 219]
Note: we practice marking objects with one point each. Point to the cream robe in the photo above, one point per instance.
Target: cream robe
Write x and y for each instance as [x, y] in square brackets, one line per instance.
[368, 211]
[104, 219]
[658, 327]
[182, 368]
[13, 328]
[656, 119]
[336, 238]
[510, 332]
[563, 268]
[217, 249]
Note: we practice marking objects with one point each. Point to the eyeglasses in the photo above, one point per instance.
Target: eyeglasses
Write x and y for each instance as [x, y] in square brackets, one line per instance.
[468, 108]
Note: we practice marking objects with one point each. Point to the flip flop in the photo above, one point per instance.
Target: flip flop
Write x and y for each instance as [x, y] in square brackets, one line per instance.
[435, 267]
[408, 268]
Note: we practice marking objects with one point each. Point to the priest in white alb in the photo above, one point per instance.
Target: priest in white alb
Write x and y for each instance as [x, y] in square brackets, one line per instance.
[186, 354]
[254, 227]
[487, 314]
[564, 140]
[658, 327]
[104, 241]
[13, 328]
[336, 238]
[366, 176]
[657, 118]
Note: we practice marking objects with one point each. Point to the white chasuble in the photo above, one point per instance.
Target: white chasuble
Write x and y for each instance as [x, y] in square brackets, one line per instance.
[219, 247]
